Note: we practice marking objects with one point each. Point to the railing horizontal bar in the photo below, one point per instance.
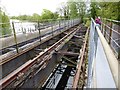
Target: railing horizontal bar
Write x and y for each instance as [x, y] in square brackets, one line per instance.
[112, 60]
[112, 20]
[110, 28]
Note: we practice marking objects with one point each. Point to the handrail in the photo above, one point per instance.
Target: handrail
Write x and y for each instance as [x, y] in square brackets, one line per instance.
[112, 60]
[112, 20]
[112, 34]
[110, 28]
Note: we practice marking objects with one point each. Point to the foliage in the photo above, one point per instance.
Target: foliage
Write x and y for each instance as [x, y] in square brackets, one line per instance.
[5, 24]
[35, 17]
[73, 9]
[63, 10]
[87, 22]
[81, 8]
[93, 9]
[109, 10]
[46, 14]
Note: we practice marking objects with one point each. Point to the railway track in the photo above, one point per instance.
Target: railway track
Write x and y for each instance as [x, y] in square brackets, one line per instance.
[39, 63]
[27, 54]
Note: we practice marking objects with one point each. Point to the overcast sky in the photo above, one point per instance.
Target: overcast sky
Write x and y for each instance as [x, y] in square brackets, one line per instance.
[20, 7]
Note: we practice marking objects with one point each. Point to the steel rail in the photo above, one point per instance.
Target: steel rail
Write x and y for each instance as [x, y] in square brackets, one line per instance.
[77, 76]
[12, 76]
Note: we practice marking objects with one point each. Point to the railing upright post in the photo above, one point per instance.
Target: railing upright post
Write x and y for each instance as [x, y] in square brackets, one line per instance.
[68, 23]
[110, 32]
[39, 30]
[102, 25]
[22, 30]
[52, 27]
[105, 28]
[119, 54]
[25, 30]
[15, 38]
[65, 24]
[59, 25]
[73, 22]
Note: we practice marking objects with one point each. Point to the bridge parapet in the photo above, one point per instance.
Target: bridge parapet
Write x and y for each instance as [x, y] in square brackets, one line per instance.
[103, 65]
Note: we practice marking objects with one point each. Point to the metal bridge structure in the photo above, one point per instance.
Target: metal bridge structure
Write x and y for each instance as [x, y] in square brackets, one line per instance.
[60, 54]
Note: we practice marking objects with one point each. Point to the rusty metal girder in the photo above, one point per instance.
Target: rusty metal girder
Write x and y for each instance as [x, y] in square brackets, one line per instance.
[7, 59]
[78, 73]
[69, 60]
[68, 53]
[39, 59]
[80, 37]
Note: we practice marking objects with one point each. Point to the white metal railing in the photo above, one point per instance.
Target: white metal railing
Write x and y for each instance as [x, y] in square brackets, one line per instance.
[32, 33]
[102, 63]
[111, 31]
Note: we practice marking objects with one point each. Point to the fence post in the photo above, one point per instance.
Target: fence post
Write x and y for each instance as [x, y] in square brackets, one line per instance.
[65, 23]
[105, 27]
[15, 38]
[52, 28]
[59, 25]
[39, 31]
[73, 22]
[102, 25]
[119, 54]
[110, 32]
[22, 30]
[68, 23]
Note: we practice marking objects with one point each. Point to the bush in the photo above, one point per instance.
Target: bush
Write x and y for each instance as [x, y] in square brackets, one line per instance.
[87, 24]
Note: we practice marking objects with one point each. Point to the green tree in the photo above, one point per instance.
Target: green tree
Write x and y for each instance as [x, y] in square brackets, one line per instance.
[93, 9]
[36, 17]
[109, 10]
[73, 9]
[56, 15]
[81, 9]
[47, 14]
[5, 24]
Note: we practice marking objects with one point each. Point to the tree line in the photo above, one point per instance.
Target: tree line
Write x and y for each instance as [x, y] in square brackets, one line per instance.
[46, 14]
[110, 10]
[71, 9]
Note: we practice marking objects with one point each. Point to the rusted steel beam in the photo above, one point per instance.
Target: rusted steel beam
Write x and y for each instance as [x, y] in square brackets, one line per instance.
[78, 36]
[7, 59]
[68, 53]
[69, 60]
[68, 64]
[39, 59]
[76, 77]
